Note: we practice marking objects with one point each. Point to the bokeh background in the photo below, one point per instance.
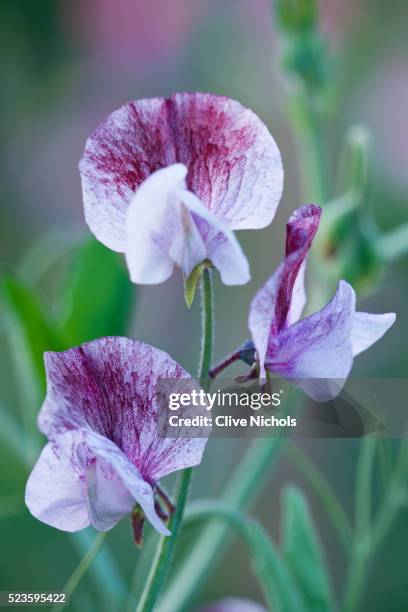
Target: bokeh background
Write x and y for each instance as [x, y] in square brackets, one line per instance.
[64, 67]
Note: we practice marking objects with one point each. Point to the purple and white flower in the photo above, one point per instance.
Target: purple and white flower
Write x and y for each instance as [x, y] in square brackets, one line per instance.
[104, 457]
[322, 346]
[168, 181]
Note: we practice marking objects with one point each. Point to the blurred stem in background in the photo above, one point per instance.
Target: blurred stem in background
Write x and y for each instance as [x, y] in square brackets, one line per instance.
[305, 63]
[82, 568]
[370, 534]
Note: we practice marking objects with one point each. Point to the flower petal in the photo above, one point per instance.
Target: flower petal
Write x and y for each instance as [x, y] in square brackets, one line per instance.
[316, 352]
[56, 488]
[233, 604]
[82, 478]
[368, 328]
[160, 231]
[222, 247]
[282, 298]
[114, 484]
[234, 165]
[111, 386]
[107, 499]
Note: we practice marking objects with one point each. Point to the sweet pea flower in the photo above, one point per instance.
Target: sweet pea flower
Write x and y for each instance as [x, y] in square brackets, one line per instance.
[316, 352]
[104, 458]
[167, 181]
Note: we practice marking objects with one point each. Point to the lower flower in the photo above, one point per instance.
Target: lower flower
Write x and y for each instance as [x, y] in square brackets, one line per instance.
[104, 458]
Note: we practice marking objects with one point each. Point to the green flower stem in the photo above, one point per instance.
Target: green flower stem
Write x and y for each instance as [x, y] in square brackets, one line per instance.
[166, 546]
[251, 474]
[207, 309]
[309, 133]
[82, 568]
[324, 491]
[165, 550]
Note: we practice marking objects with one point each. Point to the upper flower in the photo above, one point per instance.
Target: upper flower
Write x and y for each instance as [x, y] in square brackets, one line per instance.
[317, 351]
[166, 181]
[104, 455]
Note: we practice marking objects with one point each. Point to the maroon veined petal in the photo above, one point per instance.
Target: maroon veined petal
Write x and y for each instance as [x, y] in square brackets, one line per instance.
[111, 386]
[280, 301]
[234, 165]
[300, 231]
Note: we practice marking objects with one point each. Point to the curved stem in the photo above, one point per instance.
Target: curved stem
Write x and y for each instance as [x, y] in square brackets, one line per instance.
[246, 482]
[324, 491]
[81, 569]
[225, 363]
[277, 583]
[165, 550]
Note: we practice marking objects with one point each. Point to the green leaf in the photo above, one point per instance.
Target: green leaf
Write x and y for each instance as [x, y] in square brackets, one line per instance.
[303, 552]
[281, 590]
[99, 296]
[191, 283]
[278, 584]
[30, 331]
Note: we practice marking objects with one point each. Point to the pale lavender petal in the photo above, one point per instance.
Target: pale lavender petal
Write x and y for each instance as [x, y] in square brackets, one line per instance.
[234, 165]
[56, 488]
[318, 347]
[160, 231]
[261, 317]
[233, 604]
[108, 500]
[82, 478]
[368, 328]
[281, 299]
[222, 247]
[111, 386]
[128, 485]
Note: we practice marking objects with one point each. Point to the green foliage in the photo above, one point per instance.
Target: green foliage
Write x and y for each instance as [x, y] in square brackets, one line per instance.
[281, 589]
[304, 53]
[30, 329]
[296, 16]
[348, 239]
[97, 302]
[347, 242]
[303, 553]
[98, 296]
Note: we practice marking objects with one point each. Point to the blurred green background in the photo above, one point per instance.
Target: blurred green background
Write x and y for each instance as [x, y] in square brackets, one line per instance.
[65, 66]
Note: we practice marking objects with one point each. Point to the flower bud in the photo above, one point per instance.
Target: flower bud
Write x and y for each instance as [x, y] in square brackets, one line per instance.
[347, 243]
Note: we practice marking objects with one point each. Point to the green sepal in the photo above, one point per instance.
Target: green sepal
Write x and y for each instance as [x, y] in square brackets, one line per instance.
[191, 282]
